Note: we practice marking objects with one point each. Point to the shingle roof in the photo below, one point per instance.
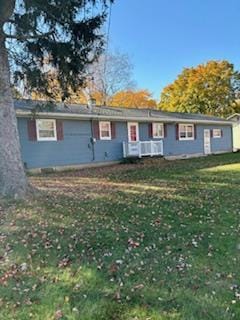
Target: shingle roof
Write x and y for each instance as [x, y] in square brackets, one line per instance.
[77, 109]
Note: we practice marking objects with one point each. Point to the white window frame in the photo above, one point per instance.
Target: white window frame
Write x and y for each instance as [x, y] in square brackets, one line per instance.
[186, 138]
[54, 138]
[218, 135]
[129, 131]
[154, 124]
[100, 130]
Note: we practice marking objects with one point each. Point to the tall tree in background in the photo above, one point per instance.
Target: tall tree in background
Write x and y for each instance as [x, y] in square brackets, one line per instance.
[110, 74]
[210, 88]
[65, 31]
[133, 99]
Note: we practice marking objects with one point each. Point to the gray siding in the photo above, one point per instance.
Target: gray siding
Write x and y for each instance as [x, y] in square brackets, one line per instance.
[225, 143]
[76, 147]
[172, 146]
[177, 147]
[110, 150]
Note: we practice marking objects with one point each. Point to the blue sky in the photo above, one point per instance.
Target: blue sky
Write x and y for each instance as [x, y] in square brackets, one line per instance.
[162, 37]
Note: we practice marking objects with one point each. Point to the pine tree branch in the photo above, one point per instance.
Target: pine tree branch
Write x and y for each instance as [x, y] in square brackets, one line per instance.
[28, 37]
[10, 21]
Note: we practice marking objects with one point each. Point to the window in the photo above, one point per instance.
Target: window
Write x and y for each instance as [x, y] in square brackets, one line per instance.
[186, 132]
[217, 133]
[158, 131]
[46, 130]
[105, 130]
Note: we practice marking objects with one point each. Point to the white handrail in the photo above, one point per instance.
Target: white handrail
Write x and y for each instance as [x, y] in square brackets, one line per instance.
[142, 148]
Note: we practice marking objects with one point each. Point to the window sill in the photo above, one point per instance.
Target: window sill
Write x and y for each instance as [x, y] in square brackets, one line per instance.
[186, 139]
[48, 139]
[106, 139]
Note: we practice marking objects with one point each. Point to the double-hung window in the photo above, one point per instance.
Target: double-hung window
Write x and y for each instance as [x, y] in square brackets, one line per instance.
[105, 130]
[186, 132]
[158, 130]
[217, 133]
[46, 130]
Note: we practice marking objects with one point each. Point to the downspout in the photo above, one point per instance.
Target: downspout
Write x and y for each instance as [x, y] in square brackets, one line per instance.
[92, 141]
[91, 103]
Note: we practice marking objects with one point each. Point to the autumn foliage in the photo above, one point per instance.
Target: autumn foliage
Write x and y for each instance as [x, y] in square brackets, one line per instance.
[108, 81]
[129, 98]
[210, 88]
[134, 99]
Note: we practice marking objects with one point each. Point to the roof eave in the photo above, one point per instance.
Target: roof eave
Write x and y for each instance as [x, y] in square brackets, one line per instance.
[233, 115]
[59, 115]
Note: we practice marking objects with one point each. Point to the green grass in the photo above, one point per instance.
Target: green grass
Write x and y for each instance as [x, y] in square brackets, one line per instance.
[156, 240]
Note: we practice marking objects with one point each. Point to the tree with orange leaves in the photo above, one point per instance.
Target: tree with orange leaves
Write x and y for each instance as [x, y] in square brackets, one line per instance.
[211, 88]
[133, 99]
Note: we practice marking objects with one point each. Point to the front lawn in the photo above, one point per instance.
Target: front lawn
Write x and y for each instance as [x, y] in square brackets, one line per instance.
[157, 240]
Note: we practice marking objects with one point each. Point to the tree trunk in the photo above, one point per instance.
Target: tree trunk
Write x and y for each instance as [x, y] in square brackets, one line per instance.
[13, 181]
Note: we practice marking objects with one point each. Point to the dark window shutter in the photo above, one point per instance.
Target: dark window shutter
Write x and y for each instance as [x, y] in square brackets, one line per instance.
[96, 133]
[59, 128]
[32, 130]
[221, 132]
[165, 130]
[195, 131]
[177, 131]
[211, 133]
[113, 130]
[150, 130]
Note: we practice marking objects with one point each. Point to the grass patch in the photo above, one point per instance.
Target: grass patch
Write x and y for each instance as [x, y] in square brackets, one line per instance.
[154, 240]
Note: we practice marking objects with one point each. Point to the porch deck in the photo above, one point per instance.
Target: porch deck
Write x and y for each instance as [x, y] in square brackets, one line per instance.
[142, 148]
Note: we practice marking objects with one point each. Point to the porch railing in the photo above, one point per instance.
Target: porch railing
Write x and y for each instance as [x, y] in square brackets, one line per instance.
[142, 148]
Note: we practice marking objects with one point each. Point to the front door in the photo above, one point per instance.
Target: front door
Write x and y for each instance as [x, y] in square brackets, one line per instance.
[207, 141]
[133, 134]
[133, 138]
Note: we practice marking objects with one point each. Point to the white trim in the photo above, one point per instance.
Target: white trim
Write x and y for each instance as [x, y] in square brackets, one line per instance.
[233, 115]
[61, 115]
[186, 138]
[218, 136]
[137, 131]
[162, 125]
[100, 131]
[46, 138]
